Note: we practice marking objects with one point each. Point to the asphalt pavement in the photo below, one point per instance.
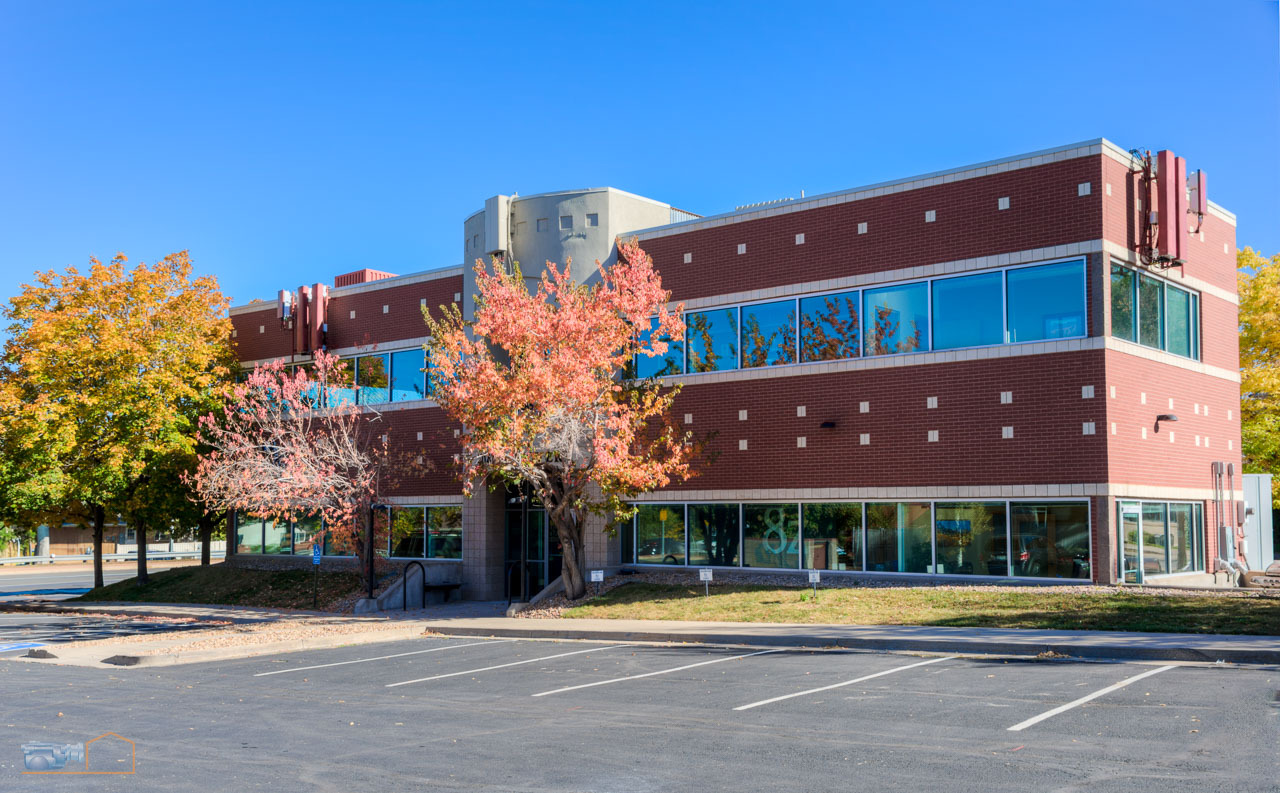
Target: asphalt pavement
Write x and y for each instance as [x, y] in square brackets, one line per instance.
[74, 576]
[468, 714]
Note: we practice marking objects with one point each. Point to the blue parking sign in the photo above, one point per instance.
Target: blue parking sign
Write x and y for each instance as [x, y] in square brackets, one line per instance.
[315, 554]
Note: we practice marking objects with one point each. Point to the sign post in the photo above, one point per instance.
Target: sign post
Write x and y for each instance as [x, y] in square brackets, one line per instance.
[815, 578]
[597, 577]
[704, 575]
[315, 563]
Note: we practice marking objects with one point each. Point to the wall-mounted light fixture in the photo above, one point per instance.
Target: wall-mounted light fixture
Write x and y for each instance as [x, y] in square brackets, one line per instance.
[828, 425]
[1164, 417]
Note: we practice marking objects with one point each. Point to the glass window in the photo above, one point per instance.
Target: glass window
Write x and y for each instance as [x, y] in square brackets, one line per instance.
[1150, 312]
[832, 536]
[712, 339]
[304, 531]
[1195, 327]
[770, 535]
[406, 531]
[968, 312]
[1123, 303]
[1178, 311]
[248, 534]
[1182, 544]
[829, 327]
[627, 537]
[1155, 558]
[1051, 540]
[593, 219]
[542, 224]
[659, 365]
[339, 390]
[713, 534]
[899, 537]
[1046, 302]
[566, 222]
[660, 534]
[372, 378]
[275, 537]
[971, 539]
[444, 535]
[408, 380]
[769, 334]
[1130, 518]
[896, 319]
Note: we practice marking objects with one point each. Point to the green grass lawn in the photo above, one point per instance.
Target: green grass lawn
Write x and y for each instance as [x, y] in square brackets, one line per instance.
[230, 586]
[985, 608]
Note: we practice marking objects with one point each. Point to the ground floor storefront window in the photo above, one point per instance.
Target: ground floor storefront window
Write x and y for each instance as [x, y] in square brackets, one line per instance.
[411, 532]
[1160, 538]
[1005, 538]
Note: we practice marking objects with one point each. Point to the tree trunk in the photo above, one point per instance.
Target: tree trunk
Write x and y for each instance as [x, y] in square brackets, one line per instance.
[141, 531]
[99, 520]
[205, 527]
[570, 534]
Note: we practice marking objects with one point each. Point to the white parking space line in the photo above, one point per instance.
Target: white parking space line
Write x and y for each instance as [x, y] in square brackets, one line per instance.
[1077, 703]
[652, 674]
[845, 683]
[384, 657]
[504, 666]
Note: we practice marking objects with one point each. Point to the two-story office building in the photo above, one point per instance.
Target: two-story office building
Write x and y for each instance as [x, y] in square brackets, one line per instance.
[1026, 369]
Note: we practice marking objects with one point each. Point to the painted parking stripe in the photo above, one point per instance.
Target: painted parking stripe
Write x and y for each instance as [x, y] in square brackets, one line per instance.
[383, 657]
[652, 674]
[1077, 703]
[504, 666]
[841, 685]
[4, 648]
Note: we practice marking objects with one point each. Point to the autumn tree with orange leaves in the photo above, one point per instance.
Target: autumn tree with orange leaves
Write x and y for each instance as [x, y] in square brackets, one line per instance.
[102, 379]
[535, 381]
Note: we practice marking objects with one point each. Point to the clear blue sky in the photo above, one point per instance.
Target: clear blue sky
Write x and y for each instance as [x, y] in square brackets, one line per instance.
[283, 143]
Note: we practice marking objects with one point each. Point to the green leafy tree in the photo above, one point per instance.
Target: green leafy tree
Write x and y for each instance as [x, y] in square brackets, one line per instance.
[101, 382]
[1258, 279]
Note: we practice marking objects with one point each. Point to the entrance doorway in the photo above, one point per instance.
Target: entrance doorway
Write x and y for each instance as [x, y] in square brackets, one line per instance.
[1160, 538]
[543, 552]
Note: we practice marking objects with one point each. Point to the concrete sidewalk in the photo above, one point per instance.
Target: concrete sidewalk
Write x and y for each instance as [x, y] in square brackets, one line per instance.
[984, 641]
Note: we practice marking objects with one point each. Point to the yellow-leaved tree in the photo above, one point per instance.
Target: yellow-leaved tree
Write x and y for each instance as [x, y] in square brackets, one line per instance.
[102, 381]
[1258, 278]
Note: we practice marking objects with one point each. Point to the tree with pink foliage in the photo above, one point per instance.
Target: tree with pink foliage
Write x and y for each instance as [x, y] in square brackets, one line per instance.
[289, 444]
[537, 383]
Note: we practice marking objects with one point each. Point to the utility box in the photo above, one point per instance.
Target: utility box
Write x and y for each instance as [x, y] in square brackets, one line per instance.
[1259, 538]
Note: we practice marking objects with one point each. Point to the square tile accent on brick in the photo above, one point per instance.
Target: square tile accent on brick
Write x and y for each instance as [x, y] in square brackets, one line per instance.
[1002, 202]
[1084, 188]
[1171, 437]
[386, 309]
[800, 411]
[1171, 403]
[1088, 428]
[1228, 414]
[419, 436]
[688, 418]
[1113, 428]
[1144, 433]
[456, 433]
[1086, 392]
[1142, 397]
[864, 407]
[742, 247]
[930, 402]
[1108, 188]
[688, 258]
[862, 229]
[1197, 440]
[801, 442]
[233, 333]
[1230, 445]
[423, 301]
[933, 436]
[930, 215]
[262, 328]
[1006, 433]
[742, 445]
[1006, 397]
[742, 415]
[457, 298]
[1195, 407]
[799, 239]
[353, 313]
[864, 439]
[1113, 392]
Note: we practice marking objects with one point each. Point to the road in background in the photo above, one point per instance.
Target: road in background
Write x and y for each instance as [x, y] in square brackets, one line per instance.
[15, 579]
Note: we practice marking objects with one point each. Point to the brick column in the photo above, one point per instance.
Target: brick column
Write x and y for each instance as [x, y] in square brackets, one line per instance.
[483, 544]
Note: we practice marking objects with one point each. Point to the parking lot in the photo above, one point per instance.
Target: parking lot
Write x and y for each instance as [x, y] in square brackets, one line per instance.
[473, 714]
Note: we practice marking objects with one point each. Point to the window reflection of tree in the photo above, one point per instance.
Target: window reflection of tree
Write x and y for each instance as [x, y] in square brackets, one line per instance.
[832, 332]
[756, 346]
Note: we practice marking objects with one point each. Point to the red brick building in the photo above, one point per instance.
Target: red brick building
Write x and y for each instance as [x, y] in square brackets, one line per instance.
[1026, 368]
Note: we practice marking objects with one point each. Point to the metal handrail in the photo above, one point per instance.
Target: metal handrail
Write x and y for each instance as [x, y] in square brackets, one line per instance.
[110, 557]
[404, 586]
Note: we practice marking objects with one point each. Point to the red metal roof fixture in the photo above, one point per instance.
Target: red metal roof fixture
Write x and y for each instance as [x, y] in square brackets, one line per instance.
[1166, 196]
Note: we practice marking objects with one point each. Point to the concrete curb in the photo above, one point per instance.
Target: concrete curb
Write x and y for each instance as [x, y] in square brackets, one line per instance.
[975, 646]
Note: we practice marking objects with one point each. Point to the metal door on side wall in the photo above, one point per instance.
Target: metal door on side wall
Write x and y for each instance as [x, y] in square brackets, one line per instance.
[1260, 548]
